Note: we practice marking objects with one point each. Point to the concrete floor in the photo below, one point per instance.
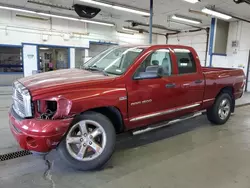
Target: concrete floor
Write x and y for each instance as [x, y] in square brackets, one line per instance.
[188, 154]
[8, 143]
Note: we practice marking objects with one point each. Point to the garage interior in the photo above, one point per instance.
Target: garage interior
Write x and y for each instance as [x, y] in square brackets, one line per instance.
[48, 35]
[53, 59]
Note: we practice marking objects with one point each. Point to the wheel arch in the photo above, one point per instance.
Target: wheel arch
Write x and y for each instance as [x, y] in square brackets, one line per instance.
[230, 91]
[113, 114]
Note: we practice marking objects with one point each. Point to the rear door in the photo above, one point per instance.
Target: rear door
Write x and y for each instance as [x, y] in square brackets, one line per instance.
[189, 81]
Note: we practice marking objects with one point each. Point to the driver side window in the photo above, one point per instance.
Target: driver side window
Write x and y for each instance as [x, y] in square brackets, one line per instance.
[157, 63]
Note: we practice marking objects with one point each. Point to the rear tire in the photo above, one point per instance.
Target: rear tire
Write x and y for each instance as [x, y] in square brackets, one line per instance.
[89, 143]
[221, 110]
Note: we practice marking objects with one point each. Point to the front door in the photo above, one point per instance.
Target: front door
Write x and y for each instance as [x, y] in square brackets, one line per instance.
[150, 97]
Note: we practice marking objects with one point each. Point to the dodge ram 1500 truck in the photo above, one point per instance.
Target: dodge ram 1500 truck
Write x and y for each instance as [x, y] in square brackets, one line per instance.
[80, 111]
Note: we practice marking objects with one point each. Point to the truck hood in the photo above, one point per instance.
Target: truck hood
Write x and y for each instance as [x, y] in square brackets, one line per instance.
[63, 80]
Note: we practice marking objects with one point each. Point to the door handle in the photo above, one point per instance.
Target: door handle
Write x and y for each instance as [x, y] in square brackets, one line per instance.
[186, 85]
[198, 81]
[171, 85]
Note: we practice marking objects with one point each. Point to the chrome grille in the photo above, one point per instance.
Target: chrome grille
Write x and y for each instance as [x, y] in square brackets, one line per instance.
[19, 95]
[18, 104]
[21, 100]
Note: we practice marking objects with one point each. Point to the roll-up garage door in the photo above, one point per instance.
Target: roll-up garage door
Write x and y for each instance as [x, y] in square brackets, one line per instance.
[197, 40]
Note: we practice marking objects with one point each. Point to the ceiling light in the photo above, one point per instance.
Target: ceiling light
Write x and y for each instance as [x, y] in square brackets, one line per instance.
[99, 23]
[127, 29]
[144, 13]
[216, 14]
[31, 17]
[97, 3]
[192, 1]
[130, 29]
[184, 19]
[132, 10]
[127, 33]
[56, 16]
[44, 48]
[76, 19]
[17, 9]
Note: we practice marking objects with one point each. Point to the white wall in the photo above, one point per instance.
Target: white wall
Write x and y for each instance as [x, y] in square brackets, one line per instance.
[161, 39]
[197, 40]
[237, 57]
[16, 30]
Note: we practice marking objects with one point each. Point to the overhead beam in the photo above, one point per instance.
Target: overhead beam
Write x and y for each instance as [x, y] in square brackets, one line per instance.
[135, 23]
[142, 30]
[190, 25]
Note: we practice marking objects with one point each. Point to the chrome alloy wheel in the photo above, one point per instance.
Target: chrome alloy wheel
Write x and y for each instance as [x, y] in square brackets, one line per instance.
[224, 109]
[86, 140]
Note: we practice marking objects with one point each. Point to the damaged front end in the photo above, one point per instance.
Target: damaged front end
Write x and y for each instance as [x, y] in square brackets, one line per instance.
[53, 108]
[44, 131]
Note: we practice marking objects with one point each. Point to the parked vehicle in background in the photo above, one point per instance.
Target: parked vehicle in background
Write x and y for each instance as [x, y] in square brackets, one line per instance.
[79, 112]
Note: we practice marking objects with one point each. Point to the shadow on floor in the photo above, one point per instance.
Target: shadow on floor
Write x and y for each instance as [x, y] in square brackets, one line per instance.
[127, 141]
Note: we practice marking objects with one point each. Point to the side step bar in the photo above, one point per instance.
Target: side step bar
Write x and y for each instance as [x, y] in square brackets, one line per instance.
[158, 126]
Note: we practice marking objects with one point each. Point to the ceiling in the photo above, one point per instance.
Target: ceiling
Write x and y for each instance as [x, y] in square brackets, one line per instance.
[163, 10]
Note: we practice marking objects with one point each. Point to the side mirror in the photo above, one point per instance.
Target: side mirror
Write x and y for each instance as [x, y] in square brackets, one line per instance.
[137, 77]
[151, 72]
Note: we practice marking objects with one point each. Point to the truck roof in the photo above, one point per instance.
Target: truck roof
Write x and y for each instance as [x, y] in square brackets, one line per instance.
[157, 45]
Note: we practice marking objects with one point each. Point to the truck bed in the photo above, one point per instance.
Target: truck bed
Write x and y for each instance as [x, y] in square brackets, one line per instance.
[219, 78]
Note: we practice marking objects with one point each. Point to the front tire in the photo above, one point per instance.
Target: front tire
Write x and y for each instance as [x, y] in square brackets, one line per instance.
[221, 110]
[89, 143]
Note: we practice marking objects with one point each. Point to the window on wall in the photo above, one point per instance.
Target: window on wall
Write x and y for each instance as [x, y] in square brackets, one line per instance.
[185, 60]
[53, 58]
[11, 59]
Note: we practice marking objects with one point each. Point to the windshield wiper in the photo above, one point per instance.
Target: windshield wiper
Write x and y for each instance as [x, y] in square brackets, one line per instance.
[95, 68]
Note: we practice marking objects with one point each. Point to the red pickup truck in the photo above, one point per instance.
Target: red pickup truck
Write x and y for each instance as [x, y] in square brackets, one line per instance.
[80, 111]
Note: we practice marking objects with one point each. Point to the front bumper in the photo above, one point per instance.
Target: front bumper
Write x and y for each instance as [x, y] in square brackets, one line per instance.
[37, 135]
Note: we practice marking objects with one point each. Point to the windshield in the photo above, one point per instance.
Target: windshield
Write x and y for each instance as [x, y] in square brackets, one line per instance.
[115, 60]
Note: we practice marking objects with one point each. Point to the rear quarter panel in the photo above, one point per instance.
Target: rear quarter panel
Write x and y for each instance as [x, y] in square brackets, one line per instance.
[217, 79]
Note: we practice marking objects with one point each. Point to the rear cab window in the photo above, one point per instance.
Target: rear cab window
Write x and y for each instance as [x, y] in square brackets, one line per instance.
[185, 61]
